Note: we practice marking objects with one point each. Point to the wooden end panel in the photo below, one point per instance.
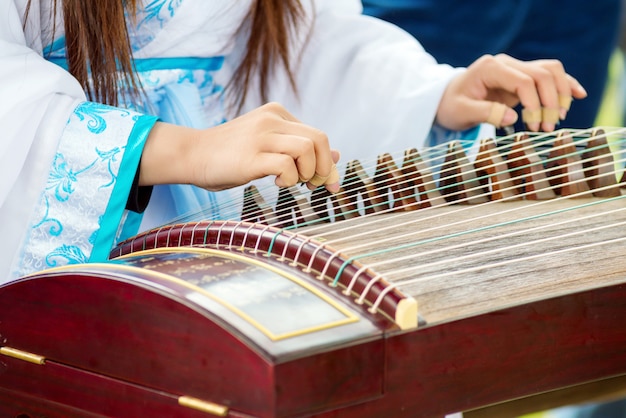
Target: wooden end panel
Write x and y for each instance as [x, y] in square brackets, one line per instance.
[330, 380]
[127, 332]
[63, 333]
[507, 354]
[511, 353]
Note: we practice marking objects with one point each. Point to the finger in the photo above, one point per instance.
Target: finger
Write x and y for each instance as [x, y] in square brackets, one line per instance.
[556, 88]
[501, 115]
[318, 180]
[546, 85]
[333, 178]
[578, 91]
[567, 86]
[331, 181]
[549, 82]
[336, 155]
[507, 77]
[565, 102]
[481, 111]
[300, 149]
[308, 146]
[324, 163]
[280, 165]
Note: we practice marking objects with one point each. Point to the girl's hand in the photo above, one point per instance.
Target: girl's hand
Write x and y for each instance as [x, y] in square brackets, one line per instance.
[489, 89]
[264, 142]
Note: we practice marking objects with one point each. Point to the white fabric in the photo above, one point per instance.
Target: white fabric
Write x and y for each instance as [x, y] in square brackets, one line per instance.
[37, 100]
[367, 84]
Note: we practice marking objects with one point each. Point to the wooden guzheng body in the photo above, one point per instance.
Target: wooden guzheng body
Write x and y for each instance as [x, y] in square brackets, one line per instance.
[427, 294]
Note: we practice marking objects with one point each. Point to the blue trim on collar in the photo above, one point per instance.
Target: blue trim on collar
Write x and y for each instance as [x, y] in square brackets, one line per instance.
[173, 63]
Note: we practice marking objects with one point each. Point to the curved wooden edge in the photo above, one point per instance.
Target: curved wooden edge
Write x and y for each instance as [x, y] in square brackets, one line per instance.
[298, 252]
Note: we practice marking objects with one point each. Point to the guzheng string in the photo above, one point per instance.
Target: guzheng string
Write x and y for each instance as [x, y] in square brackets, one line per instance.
[438, 154]
[347, 227]
[399, 226]
[470, 231]
[530, 146]
[479, 187]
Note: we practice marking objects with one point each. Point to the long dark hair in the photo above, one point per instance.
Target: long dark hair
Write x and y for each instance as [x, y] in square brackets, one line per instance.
[271, 22]
[99, 52]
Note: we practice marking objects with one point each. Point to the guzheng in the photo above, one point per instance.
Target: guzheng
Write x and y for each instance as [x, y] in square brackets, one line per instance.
[433, 282]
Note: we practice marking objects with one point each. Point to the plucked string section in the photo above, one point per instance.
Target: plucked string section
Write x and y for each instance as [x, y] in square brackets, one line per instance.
[518, 164]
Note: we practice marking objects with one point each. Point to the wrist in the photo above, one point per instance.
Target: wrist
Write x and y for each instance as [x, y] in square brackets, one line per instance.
[166, 155]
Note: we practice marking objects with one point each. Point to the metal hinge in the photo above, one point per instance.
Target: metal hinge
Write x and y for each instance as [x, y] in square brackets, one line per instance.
[22, 355]
[204, 406]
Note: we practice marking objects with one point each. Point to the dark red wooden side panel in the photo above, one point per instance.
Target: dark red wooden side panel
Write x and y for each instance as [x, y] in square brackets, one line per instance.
[125, 331]
[353, 375]
[44, 391]
[113, 327]
[503, 355]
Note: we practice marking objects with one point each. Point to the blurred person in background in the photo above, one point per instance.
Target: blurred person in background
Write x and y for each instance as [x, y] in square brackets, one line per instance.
[581, 34]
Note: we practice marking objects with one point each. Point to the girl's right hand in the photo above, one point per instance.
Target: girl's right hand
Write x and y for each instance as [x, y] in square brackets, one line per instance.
[264, 142]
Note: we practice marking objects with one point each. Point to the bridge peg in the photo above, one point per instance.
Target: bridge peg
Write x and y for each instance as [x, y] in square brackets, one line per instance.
[418, 176]
[293, 208]
[527, 170]
[493, 171]
[358, 183]
[343, 207]
[599, 166]
[565, 168]
[255, 209]
[390, 180]
[458, 181]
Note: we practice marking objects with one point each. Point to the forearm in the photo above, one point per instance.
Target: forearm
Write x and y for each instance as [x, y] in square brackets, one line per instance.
[265, 142]
[166, 155]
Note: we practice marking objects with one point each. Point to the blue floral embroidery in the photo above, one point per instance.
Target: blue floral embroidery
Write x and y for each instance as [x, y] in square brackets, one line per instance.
[96, 123]
[174, 4]
[153, 10]
[61, 179]
[81, 179]
[110, 157]
[71, 253]
[151, 18]
[56, 228]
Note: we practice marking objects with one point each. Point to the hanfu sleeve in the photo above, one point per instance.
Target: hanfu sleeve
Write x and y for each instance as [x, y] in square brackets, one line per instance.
[67, 165]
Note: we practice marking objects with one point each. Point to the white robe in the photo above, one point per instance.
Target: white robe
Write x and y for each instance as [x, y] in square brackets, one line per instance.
[67, 164]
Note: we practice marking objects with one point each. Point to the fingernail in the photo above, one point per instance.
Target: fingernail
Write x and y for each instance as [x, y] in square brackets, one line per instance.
[565, 101]
[548, 127]
[510, 117]
[333, 188]
[563, 113]
[534, 126]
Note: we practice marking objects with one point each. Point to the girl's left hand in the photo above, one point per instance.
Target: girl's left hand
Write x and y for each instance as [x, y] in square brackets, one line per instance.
[489, 89]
